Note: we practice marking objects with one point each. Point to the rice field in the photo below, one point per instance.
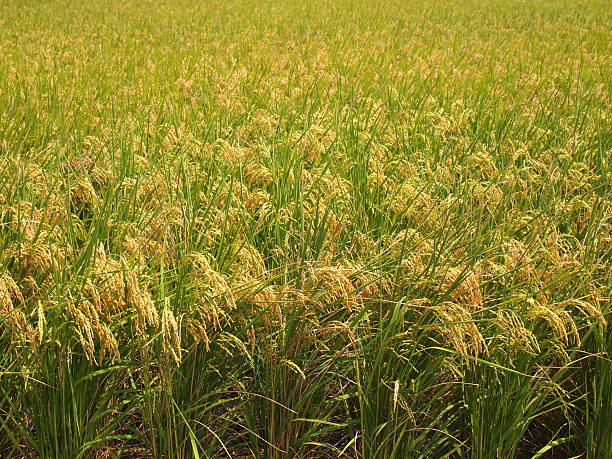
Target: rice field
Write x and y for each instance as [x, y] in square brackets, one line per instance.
[309, 229]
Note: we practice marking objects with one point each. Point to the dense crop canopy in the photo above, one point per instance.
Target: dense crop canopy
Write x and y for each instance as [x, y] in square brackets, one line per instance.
[305, 229]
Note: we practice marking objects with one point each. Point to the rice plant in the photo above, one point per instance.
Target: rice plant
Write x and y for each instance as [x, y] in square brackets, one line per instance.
[305, 229]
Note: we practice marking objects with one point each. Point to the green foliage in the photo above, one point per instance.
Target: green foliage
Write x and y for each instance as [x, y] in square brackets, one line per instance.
[305, 229]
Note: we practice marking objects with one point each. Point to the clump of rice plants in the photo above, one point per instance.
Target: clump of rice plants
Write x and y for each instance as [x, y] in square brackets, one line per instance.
[312, 229]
